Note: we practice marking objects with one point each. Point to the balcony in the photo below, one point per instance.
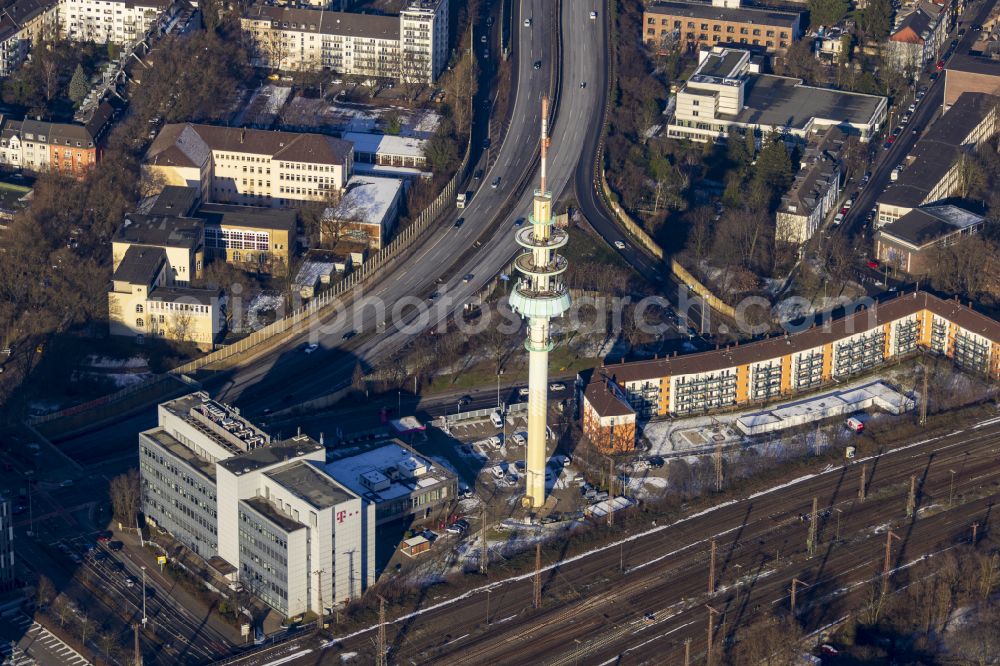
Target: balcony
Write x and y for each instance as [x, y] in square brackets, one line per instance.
[525, 263]
[526, 238]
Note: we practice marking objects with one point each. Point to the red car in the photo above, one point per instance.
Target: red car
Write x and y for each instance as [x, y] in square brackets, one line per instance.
[872, 263]
[105, 536]
[890, 140]
[843, 211]
[939, 65]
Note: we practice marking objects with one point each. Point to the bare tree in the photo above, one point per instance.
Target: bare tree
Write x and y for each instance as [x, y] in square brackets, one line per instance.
[86, 627]
[125, 491]
[45, 592]
[63, 610]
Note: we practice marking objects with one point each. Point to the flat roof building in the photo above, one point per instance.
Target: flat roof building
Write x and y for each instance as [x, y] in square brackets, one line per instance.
[723, 94]
[264, 510]
[908, 243]
[932, 170]
[367, 212]
[398, 480]
[688, 25]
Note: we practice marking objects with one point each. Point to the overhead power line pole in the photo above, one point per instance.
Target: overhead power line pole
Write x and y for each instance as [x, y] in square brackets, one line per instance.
[538, 576]
[813, 519]
[889, 536]
[795, 581]
[709, 656]
[711, 570]
[911, 499]
[380, 657]
[862, 487]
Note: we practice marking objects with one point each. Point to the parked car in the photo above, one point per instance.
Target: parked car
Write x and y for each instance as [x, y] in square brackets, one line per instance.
[838, 218]
[593, 16]
[656, 462]
[520, 438]
[309, 349]
[620, 245]
[557, 386]
[115, 546]
[455, 528]
[939, 66]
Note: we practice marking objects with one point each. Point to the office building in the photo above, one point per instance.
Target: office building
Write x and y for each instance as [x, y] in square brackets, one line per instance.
[249, 166]
[690, 25]
[724, 94]
[397, 480]
[289, 533]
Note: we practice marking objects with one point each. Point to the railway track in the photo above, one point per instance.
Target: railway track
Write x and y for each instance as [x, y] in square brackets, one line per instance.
[603, 595]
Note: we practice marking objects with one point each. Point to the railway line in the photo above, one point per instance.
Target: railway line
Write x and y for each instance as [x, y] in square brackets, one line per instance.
[596, 602]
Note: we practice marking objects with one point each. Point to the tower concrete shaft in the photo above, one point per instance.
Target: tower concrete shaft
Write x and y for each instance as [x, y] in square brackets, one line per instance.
[539, 297]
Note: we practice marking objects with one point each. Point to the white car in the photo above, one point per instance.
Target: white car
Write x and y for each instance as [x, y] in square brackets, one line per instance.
[620, 245]
[593, 16]
[523, 391]
[556, 386]
[527, 23]
[309, 349]
[838, 218]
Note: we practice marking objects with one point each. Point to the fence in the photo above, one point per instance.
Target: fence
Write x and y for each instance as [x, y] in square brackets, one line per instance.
[387, 254]
[476, 414]
[625, 220]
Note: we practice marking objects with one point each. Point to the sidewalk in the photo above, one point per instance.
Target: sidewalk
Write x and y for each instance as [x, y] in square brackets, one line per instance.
[195, 606]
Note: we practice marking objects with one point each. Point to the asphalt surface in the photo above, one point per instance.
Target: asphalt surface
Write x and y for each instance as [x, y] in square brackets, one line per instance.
[928, 110]
[598, 602]
[288, 377]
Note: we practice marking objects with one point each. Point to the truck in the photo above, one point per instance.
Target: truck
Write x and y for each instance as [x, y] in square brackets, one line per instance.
[856, 423]
[460, 200]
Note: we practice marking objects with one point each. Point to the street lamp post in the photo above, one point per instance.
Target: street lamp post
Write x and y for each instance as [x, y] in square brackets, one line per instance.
[144, 596]
[31, 515]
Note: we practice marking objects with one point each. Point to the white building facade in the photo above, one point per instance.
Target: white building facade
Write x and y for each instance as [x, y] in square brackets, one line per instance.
[297, 539]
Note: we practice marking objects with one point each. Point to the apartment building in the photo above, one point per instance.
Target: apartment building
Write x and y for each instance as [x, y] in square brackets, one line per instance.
[69, 149]
[724, 94]
[248, 166]
[815, 190]
[933, 168]
[784, 365]
[22, 24]
[908, 244]
[109, 21]
[290, 533]
[917, 38]
[690, 25]
[609, 421]
[410, 47]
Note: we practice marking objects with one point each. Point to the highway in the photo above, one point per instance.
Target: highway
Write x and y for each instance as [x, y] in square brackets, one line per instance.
[597, 601]
[287, 377]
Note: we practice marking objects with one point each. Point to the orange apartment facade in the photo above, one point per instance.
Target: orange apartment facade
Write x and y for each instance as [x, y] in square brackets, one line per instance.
[694, 24]
[790, 364]
[69, 149]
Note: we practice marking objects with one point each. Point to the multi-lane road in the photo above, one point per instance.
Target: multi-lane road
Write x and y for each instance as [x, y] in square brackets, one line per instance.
[597, 603]
[478, 248]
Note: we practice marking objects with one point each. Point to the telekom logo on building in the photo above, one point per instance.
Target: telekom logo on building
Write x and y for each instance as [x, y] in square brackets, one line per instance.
[341, 515]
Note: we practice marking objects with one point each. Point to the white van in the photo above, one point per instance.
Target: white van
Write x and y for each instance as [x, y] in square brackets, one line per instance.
[496, 419]
[856, 423]
[520, 438]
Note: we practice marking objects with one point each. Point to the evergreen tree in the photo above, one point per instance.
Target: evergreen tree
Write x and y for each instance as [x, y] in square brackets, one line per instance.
[827, 12]
[79, 86]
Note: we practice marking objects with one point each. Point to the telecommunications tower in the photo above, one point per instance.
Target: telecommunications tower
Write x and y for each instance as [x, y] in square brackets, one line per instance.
[539, 297]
